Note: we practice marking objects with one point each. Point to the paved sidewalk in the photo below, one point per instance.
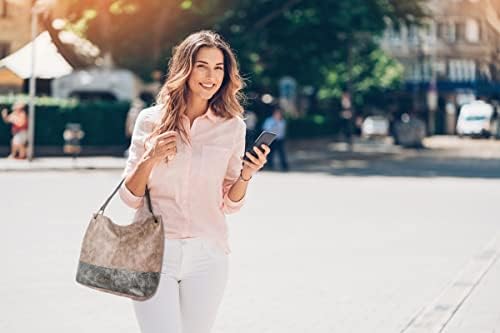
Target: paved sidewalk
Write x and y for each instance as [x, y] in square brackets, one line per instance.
[299, 152]
[62, 163]
[337, 264]
[465, 305]
[480, 312]
[359, 258]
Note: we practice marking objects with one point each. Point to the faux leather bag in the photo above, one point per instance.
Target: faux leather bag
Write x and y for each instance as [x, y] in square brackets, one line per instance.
[124, 260]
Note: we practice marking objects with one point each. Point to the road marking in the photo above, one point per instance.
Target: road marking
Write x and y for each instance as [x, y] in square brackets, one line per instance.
[434, 317]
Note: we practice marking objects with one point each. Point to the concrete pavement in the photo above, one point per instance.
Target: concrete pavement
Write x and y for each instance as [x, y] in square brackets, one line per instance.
[466, 304]
[446, 156]
[480, 311]
[300, 152]
[313, 251]
[63, 163]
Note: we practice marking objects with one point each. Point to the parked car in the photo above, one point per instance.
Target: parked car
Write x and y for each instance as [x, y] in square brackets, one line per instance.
[375, 126]
[476, 119]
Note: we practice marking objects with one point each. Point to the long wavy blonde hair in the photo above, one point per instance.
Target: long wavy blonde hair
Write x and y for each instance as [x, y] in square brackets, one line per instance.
[174, 93]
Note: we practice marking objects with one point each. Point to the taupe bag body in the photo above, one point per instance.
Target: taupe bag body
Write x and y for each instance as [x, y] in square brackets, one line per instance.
[123, 260]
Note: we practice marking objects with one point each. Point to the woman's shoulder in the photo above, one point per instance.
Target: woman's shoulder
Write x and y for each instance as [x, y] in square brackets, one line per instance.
[150, 115]
[237, 123]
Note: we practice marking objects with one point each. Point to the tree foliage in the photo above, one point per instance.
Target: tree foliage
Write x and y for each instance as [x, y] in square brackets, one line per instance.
[310, 40]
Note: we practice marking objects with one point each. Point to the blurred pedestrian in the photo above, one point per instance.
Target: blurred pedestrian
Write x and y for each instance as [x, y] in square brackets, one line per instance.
[277, 124]
[188, 151]
[19, 129]
[136, 107]
[251, 122]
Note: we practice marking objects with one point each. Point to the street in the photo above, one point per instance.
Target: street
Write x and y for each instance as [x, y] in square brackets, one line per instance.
[383, 217]
[340, 244]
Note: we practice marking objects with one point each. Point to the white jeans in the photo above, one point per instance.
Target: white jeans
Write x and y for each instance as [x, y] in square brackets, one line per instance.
[192, 283]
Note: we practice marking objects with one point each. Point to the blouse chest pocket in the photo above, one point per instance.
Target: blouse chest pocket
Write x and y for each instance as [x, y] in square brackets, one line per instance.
[214, 162]
[167, 177]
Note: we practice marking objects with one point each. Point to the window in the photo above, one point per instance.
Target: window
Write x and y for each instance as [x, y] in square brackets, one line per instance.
[440, 67]
[447, 31]
[472, 31]
[426, 68]
[413, 35]
[4, 49]
[3, 8]
[430, 31]
[415, 72]
[460, 31]
[471, 70]
[462, 70]
[394, 35]
[453, 70]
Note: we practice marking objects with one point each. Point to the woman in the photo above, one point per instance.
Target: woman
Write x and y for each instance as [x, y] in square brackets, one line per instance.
[188, 150]
[19, 121]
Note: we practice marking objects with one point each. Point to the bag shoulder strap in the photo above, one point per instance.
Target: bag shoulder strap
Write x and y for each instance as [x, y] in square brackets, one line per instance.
[147, 195]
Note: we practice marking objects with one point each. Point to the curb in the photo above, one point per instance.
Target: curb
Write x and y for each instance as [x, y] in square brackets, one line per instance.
[63, 164]
[435, 316]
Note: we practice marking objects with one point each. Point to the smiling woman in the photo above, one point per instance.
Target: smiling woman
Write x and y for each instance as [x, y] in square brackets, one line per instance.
[188, 151]
[207, 64]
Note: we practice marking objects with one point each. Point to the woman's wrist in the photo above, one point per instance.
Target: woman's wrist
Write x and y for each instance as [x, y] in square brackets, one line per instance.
[245, 177]
[146, 162]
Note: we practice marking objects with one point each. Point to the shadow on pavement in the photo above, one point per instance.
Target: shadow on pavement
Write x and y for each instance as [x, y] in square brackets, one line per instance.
[393, 161]
[405, 167]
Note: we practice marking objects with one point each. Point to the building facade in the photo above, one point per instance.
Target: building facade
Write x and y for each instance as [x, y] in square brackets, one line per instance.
[453, 58]
[15, 32]
[15, 28]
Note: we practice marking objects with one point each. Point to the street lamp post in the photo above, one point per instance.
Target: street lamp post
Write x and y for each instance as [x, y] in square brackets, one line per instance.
[32, 86]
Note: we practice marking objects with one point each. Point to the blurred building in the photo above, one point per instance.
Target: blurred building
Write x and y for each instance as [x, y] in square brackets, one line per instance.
[15, 32]
[15, 23]
[58, 52]
[453, 58]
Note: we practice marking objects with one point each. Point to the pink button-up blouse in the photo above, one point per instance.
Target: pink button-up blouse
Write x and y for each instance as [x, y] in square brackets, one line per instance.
[190, 192]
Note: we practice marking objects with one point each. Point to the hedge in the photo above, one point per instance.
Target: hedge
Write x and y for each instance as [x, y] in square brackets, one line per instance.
[102, 122]
[312, 126]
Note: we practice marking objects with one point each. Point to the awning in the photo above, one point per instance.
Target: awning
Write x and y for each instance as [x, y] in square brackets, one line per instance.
[9, 79]
[49, 63]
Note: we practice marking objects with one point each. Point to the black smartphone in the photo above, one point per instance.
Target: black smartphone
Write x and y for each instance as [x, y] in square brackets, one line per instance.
[265, 138]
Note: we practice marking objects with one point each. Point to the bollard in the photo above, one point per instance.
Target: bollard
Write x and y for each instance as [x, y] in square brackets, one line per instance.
[72, 136]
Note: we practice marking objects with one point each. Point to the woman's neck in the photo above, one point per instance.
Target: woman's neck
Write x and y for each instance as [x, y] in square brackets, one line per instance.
[196, 107]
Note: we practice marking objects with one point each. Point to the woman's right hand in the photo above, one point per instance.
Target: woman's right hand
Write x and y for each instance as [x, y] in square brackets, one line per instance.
[163, 147]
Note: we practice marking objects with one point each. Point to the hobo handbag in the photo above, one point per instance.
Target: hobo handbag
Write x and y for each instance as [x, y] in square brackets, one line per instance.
[124, 260]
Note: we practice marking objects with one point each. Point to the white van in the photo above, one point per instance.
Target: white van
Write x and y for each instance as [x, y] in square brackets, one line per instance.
[101, 83]
[476, 119]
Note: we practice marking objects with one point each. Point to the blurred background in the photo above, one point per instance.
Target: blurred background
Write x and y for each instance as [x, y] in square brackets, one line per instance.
[339, 69]
[380, 213]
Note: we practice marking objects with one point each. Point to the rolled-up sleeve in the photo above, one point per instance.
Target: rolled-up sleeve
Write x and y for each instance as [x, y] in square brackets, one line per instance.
[233, 172]
[136, 150]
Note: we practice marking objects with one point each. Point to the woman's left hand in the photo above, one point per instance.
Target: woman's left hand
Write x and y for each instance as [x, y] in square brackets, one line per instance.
[254, 164]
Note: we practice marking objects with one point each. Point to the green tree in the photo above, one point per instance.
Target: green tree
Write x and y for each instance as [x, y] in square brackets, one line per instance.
[313, 40]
